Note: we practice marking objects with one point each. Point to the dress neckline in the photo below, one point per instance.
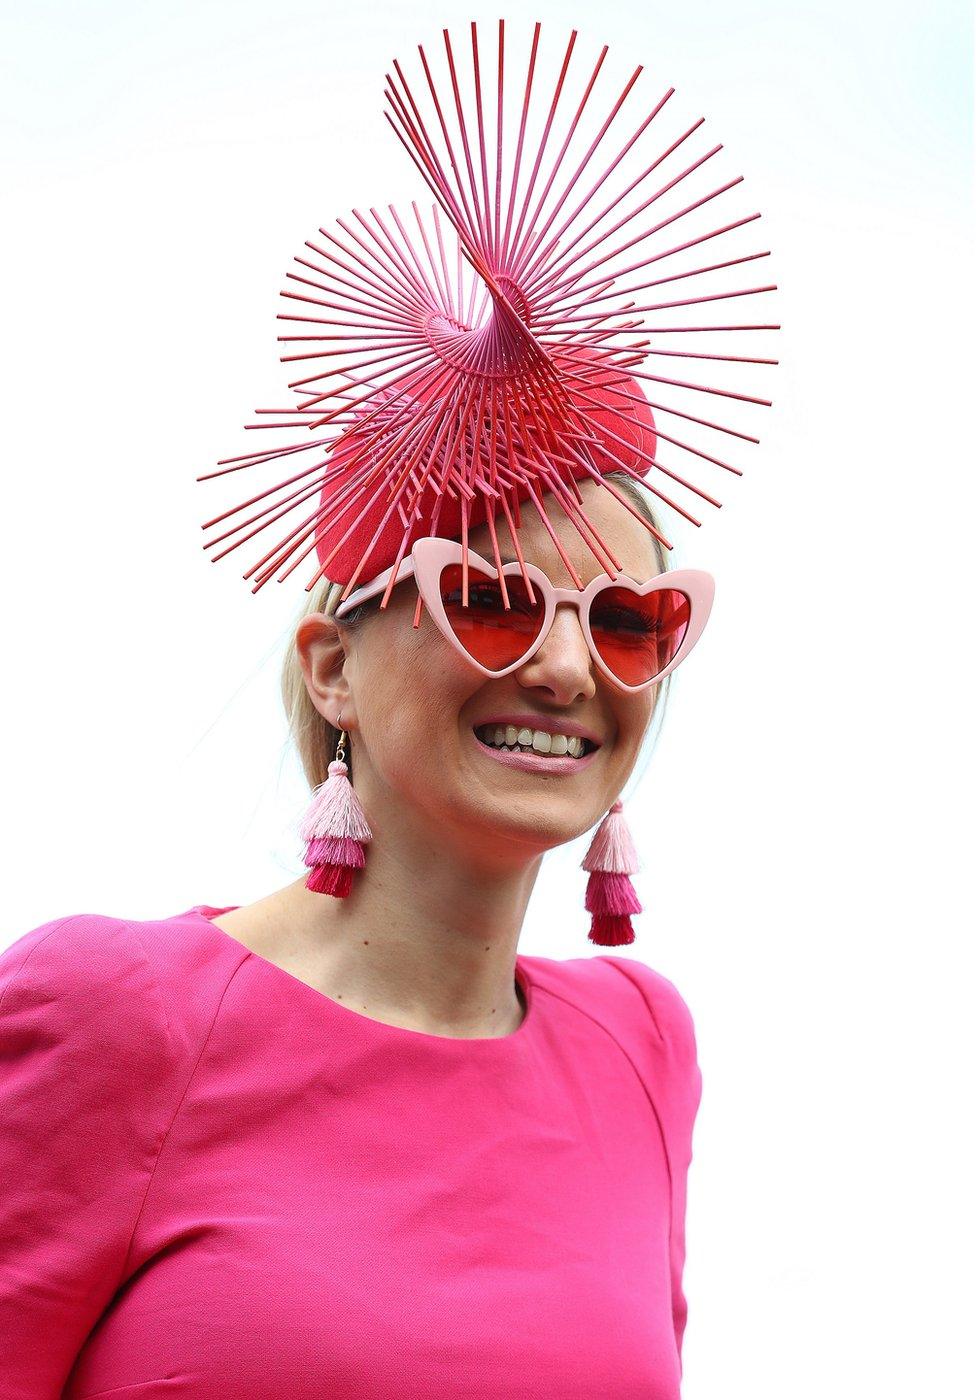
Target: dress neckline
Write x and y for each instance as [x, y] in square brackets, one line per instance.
[208, 912]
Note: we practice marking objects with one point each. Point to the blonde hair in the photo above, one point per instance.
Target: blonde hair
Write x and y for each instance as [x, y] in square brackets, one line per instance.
[316, 739]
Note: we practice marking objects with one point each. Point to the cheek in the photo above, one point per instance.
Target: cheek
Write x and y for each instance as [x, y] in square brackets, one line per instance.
[410, 690]
[634, 716]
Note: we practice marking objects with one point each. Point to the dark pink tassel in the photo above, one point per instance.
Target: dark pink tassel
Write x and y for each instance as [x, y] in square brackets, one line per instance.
[335, 850]
[330, 879]
[610, 896]
[334, 829]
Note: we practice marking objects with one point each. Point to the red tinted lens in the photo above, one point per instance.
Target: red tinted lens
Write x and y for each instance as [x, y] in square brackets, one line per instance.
[638, 636]
[494, 635]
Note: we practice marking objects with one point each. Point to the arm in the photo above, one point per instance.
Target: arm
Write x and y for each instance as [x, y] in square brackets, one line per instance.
[87, 1085]
[676, 1078]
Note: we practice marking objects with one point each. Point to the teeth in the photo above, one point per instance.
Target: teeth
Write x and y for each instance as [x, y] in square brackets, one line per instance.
[532, 740]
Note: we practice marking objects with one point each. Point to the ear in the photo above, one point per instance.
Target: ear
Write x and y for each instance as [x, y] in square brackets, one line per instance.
[322, 656]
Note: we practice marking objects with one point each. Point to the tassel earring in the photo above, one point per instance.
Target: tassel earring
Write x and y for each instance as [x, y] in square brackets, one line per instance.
[610, 896]
[335, 830]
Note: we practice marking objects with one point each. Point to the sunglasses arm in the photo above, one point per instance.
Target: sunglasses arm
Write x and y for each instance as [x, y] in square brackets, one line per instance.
[376, 585]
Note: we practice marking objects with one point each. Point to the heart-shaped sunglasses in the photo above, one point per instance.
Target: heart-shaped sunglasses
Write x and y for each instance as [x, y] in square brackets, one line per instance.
[636, 632]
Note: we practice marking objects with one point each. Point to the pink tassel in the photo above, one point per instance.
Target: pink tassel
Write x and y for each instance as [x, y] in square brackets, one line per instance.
[610, 896]
[334, 829]
[335, 850]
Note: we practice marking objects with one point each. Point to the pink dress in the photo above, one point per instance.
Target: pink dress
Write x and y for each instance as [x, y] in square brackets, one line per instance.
[216, 1182]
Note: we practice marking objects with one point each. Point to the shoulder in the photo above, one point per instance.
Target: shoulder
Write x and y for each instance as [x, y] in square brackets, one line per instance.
[653, 996]
[79, 971]
[143, 988]
[643, 1011]
[632, 995]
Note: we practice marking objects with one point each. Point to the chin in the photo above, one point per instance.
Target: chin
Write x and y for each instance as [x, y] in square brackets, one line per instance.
[538, 822]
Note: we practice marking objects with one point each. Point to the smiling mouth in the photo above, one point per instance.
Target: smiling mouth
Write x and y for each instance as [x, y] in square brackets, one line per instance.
[483, 733]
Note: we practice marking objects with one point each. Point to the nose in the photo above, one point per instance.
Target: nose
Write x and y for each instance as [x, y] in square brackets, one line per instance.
[563, 665]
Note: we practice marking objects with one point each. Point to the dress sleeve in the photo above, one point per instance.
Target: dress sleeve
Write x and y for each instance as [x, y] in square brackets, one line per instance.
[675, 1077]
[87, 1088]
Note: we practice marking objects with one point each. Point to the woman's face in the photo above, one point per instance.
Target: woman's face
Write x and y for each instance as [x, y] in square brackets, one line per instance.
[411, 702]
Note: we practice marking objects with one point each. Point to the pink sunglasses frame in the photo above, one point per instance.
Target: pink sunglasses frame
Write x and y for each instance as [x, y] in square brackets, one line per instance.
[429, 557]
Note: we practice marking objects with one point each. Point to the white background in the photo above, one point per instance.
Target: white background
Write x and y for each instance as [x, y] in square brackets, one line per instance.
[805, 822]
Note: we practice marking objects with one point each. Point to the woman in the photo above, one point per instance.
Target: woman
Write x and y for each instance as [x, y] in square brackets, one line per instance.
[361, 1146]
[346, 1140]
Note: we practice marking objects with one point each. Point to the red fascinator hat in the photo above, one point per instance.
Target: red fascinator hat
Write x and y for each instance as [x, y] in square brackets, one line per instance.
[619, 435]
[561, 311]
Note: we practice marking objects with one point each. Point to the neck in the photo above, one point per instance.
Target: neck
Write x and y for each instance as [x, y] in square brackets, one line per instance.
[427, 938]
